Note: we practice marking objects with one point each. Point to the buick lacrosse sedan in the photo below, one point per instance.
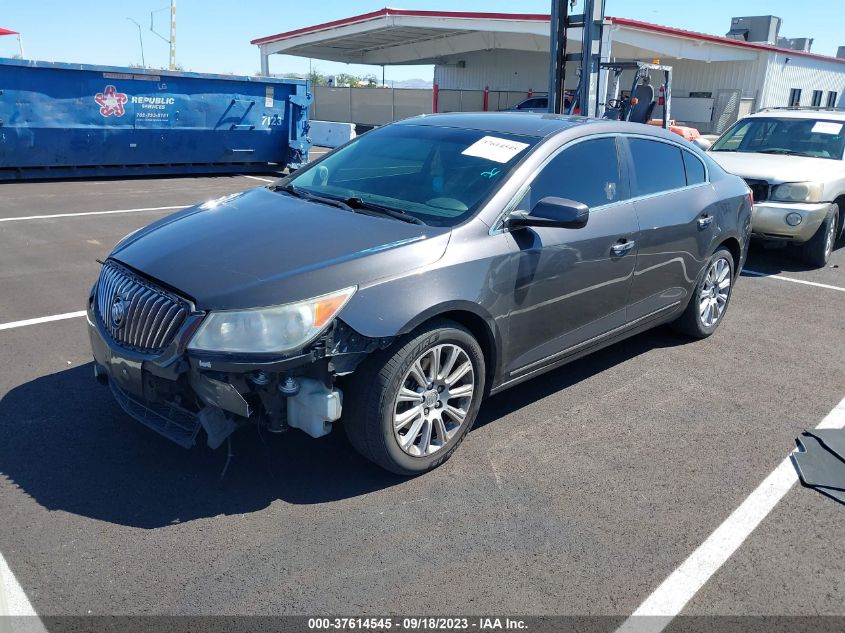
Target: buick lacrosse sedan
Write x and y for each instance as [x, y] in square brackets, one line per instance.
[393, 284]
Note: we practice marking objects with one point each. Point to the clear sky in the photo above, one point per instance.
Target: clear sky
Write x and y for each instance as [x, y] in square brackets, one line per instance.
[214, 35]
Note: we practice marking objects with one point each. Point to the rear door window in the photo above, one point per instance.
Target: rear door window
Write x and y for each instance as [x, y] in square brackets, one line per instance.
[658, 166]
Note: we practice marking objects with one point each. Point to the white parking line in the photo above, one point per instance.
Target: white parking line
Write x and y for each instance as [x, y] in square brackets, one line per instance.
[257, 178]
[793, 280]
[73, 215]
[46, 319]
[677, 590]
[13, 600]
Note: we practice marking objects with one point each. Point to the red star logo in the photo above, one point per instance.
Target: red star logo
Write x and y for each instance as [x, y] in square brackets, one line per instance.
[111, 101]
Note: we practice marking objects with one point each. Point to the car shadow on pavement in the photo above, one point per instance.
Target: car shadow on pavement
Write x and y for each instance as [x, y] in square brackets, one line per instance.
[66, 444]
[503, 404]
[777, 258]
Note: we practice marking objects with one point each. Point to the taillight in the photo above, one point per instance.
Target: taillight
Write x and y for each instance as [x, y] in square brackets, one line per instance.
[750, 198]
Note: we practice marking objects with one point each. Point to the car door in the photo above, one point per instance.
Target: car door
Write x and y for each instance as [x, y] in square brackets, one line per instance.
[673, 202]
[572, 283]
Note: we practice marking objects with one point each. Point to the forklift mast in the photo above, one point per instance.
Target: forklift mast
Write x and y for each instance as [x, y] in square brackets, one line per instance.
[591, 23]
[587, 96]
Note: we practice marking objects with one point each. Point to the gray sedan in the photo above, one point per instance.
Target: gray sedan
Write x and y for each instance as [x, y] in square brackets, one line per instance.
[400, 279]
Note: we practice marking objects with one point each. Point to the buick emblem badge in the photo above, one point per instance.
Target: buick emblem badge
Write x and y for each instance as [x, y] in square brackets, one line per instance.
[118, 311]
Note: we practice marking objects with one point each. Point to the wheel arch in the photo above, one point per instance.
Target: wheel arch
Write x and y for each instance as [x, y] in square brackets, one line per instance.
[480, 324]
[840, 202]
[735, 249]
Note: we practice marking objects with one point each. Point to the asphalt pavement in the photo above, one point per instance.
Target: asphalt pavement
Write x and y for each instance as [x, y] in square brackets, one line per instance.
[577, 493]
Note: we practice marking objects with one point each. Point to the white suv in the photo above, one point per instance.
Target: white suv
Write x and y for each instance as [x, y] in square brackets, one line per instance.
[792, 159]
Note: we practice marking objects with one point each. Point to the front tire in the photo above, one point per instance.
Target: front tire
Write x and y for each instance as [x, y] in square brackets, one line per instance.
[710, 298]
[818, 248]
[409, 407]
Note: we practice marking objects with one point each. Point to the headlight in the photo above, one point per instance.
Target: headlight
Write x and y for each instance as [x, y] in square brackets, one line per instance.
[798, 192]
[275, 329]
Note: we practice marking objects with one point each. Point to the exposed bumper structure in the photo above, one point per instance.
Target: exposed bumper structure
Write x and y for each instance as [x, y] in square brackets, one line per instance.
[177, 393]
[789, 221]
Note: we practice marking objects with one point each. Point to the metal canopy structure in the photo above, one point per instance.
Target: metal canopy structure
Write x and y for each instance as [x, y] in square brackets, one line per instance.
[402, 36]
[16, 34]
[398, 36]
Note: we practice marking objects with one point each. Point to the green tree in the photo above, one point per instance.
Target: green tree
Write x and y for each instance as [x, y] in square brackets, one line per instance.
[345, 79]
[316, 78]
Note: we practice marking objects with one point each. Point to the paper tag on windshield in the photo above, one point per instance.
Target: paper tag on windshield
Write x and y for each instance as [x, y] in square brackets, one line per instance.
[500, 150]
[826, 127]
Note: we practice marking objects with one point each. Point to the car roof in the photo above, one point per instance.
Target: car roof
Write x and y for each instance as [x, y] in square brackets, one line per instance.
[797, 113]
[536, 124]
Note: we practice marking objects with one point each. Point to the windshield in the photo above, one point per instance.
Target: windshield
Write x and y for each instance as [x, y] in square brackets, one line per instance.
[439, 175]
[790, 136]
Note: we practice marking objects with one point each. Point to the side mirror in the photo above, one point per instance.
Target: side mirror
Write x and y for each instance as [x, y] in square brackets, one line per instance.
[703, 143]
[556, 212]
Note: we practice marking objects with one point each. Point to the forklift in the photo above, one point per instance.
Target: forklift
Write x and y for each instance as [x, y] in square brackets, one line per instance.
[637, 106]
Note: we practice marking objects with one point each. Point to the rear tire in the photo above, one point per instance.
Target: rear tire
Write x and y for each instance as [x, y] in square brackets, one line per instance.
[710, 299]
[817, 250]
[403, 425]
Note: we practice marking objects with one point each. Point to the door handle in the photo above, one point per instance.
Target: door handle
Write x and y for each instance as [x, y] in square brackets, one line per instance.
[705, 221]
[622, 246]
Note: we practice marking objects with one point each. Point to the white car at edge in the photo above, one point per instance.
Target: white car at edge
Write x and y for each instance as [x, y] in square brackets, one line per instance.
[792, 159]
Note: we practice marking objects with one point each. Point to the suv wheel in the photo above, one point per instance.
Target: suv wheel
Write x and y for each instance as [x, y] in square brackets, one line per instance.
[711, 297]
[818, 248]
[410, 406]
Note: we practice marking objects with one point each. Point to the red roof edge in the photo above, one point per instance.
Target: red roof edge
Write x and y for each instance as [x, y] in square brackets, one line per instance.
[382, 13]
[668, 30]
[8, 32]
[539, 17]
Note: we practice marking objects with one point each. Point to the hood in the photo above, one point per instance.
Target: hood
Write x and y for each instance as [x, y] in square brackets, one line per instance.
[777, 168]
[262, 248]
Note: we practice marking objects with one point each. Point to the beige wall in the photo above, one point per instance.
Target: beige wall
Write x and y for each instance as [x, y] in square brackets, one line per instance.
[379, 106]
[368, 106]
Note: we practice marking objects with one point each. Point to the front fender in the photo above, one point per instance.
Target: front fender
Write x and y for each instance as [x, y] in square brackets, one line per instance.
[475, 293]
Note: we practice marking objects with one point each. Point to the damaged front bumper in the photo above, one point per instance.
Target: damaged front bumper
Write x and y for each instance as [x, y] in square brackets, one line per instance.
[176, 392]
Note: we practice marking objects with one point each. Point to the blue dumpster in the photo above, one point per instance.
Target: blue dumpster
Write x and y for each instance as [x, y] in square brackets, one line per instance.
[62, 120]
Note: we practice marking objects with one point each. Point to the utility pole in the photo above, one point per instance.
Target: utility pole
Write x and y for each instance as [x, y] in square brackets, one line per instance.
[172, 39]
[140, 40]
[172, 34]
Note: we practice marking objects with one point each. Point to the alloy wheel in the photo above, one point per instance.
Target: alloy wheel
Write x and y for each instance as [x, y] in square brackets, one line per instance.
[434, 400]
[715, 292]
[830, 239]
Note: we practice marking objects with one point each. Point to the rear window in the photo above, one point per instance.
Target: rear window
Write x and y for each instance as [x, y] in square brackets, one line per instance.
[694, 168]
[658, 166]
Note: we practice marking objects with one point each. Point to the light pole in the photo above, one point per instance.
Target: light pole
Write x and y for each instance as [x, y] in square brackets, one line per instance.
[140, 40]
[172, 39]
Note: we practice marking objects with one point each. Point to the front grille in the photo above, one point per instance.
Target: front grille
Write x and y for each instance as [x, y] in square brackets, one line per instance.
[759, 189]
[134, 312]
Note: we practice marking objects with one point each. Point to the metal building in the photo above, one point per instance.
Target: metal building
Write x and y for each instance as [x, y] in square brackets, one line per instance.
[715, 79]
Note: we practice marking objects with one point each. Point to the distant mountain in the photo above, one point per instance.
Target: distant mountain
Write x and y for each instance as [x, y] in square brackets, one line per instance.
[398, 83]
[410, 83]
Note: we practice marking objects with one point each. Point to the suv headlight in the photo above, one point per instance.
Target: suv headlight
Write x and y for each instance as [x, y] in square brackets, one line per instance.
[274, 329]
[798, 192]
